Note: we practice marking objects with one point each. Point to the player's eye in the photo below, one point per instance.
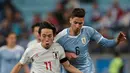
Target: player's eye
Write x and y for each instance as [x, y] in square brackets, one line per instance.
[75, 22]
[49, 36]
[43, 36]
[80, 23]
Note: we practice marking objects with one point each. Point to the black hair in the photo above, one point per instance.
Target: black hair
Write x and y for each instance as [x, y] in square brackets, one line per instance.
[35, 25]
[78, 12]
[47, 25]
[10, 34]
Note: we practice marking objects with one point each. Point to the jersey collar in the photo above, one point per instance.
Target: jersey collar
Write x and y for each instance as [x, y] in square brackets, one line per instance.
[68, 29]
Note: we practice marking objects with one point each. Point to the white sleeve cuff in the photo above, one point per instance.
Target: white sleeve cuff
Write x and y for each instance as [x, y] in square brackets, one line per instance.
[100, 39]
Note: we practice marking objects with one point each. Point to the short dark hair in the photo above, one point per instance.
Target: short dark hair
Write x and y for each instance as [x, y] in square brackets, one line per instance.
[10, 33]
[35, 25]
[47, 25]
[78, 12]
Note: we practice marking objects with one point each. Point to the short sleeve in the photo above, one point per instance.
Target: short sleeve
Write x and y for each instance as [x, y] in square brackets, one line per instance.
[26, 57]
[96, 36]
[62, 53]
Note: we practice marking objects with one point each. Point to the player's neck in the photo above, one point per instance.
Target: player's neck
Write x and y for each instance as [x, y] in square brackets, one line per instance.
[38, 40]
[44, 47]
[10, 46]
[73, 33]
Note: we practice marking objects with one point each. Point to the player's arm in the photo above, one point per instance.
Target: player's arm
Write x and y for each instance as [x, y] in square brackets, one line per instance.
[17, 68]
[112, 43]
[22, 63]
[69, 67]
[64, 61]
[104, 41]
[26, 68]
[60, 40]
[108, 43]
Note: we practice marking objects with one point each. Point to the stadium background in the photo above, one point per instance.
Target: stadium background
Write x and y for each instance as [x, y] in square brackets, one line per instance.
[109, 17]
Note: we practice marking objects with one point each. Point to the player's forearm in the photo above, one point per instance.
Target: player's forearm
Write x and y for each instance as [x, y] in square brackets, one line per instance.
[17, 68]
[108, 43]
[26, 68]
[70, 68]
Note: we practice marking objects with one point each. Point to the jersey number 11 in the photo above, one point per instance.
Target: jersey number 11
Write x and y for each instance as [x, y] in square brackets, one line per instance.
[48, 65]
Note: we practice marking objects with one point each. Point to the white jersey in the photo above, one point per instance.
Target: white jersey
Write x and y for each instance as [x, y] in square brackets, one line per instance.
[32, 43]
[44, 60]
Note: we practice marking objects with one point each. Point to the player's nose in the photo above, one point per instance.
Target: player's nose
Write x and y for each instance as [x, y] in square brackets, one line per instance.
[78, 25]
[47, 38]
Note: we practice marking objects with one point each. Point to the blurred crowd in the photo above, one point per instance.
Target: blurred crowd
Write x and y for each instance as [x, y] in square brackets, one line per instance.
[108, 23]
[11, 20]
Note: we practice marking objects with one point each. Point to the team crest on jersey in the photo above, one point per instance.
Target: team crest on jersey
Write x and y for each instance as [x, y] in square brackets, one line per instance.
[55, 54]
[83, 39]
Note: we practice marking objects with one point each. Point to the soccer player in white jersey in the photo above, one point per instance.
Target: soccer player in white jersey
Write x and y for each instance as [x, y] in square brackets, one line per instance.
[75, 41]
[10, 54]
[35, 29]
[47, 55]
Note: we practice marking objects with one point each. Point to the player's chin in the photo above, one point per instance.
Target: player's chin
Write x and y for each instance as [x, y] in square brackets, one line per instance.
[47, 46]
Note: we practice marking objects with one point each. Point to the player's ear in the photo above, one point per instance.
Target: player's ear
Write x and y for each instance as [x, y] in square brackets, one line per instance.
[70, 20]
[54, 34]
[6, 39]
[39, 35]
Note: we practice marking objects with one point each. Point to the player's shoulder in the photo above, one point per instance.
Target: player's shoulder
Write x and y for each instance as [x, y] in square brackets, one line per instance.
[61, 34]
[29, 49]
[87, 27]
[18, 47]
[32, 42]
[4, 47]
[36, 45]
[56, 45]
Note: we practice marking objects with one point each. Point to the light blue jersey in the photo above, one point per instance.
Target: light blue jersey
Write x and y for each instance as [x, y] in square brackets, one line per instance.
[9, 58]
[79, 45]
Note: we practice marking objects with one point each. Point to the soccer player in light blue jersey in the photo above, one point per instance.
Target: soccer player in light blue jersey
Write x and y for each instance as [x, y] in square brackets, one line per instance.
[10, 54]
[76, 38]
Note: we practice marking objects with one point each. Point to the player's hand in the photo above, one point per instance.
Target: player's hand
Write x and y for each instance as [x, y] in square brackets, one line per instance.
[71, 55]
[121, 37]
